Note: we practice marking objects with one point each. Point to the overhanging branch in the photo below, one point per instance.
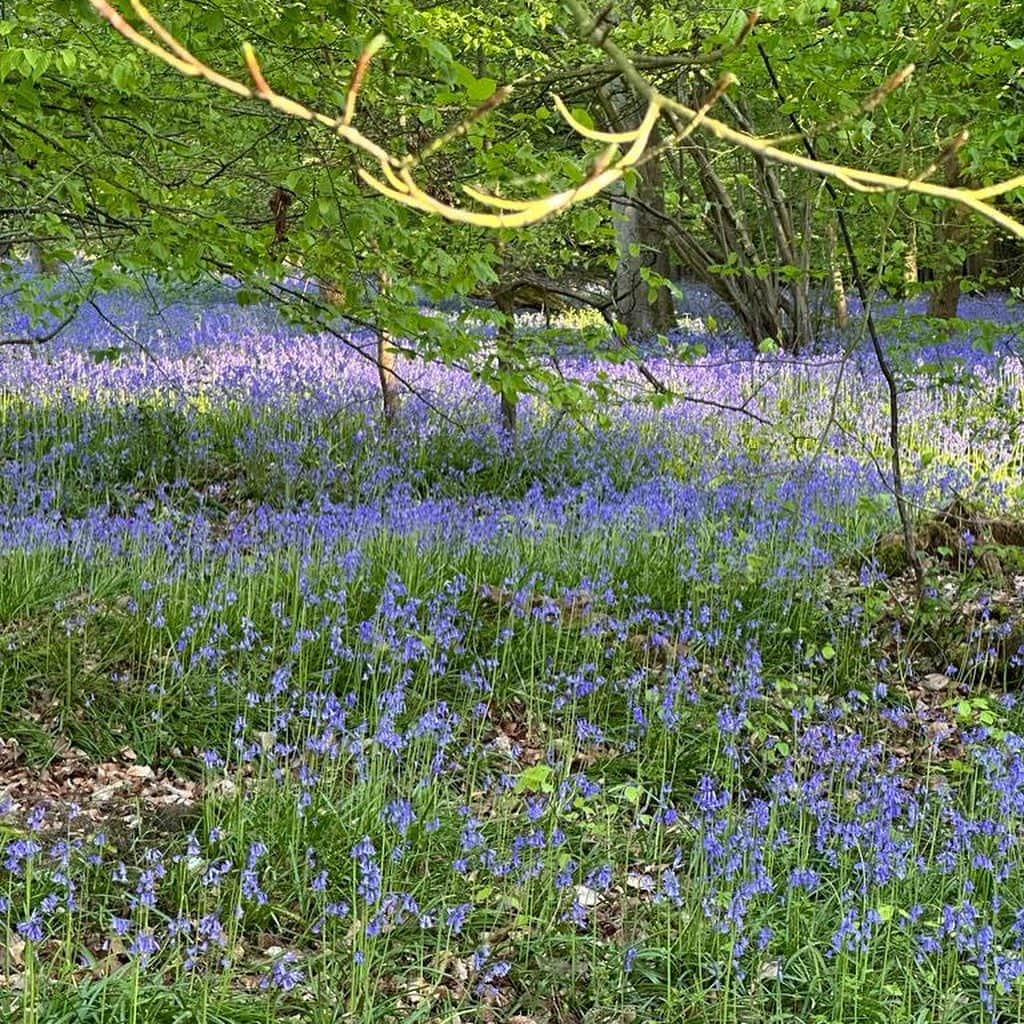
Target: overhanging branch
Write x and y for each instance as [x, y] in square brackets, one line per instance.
[394, 177]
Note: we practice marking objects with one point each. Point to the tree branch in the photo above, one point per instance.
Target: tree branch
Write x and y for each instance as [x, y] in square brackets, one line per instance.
[42, 339]
[852, 177]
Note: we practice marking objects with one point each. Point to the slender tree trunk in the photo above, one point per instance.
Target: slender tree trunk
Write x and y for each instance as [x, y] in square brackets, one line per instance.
[509, 415]
[840, 302]
[7, 224]
[895, 452]
[390, 390]
[40, 261]
[390, 386]
[791, 250]
[751, 287]
[910, 277]
[333, 293]
[509, 400]
[735, 243]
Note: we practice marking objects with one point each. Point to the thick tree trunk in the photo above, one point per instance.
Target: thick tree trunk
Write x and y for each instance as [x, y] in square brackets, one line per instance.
[950, 231]
[944, 301]
[645, 309]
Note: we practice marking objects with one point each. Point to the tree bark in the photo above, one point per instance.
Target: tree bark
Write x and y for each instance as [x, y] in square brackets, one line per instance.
[645, 310]
[840, 302]
[390, 386]
[944, 301]
[950, 231]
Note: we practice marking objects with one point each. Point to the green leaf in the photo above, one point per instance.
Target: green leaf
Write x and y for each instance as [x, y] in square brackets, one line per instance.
[438, 50]
[536, 778]
[583, 116]
[481, 89]
[122, 76]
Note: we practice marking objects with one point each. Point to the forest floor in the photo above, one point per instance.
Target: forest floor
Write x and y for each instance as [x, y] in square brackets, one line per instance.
[640, 718]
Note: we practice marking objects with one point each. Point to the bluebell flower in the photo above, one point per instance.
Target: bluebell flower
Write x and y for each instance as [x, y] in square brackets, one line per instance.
[31, 929]
[284, 975]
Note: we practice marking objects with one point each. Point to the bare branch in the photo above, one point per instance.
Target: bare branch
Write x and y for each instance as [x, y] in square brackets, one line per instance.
[494, 100]
[394, 177]
[42, 339]
[395, 180]
[851, 177]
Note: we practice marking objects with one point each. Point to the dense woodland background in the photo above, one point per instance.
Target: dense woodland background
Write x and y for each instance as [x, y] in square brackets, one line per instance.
[110, 156]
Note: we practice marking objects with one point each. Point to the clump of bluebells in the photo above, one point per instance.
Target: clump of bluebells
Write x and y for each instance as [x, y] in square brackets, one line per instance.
[576, 726]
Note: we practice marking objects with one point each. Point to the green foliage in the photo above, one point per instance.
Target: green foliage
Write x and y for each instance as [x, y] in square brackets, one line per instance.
[126, 164]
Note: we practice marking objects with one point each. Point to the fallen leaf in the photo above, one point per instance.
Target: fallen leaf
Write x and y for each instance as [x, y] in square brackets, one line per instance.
[936, 682]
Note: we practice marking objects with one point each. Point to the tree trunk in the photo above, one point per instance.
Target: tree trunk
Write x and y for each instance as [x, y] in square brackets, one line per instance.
[509, 415]
[390, 386]
[336, 295]
[950, 231]
[840, 302]
[333, 294]
[41, 262]
[506, 335]
[646, 310]
[944, 300]
[737, 242]
[739, 270]
[910, 260]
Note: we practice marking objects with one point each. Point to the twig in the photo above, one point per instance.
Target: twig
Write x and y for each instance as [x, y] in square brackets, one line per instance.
[362, 66]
